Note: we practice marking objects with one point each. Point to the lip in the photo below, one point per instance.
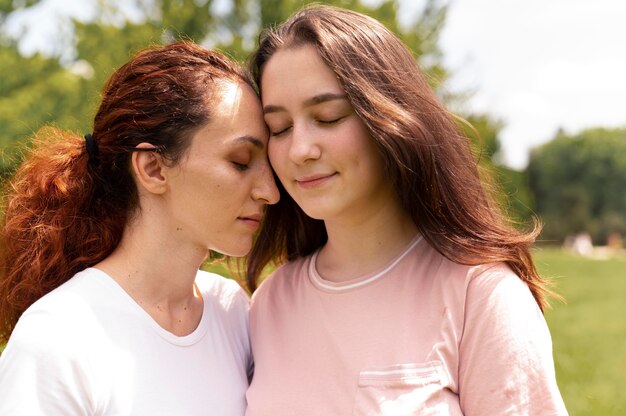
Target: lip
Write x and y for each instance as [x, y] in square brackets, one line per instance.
[253, 221]
[314, 181]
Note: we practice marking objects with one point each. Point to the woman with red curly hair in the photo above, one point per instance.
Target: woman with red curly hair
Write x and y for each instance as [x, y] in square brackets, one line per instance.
[102, 240]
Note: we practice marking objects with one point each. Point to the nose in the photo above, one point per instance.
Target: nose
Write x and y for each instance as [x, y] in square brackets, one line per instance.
[303, 146]
[265, 187]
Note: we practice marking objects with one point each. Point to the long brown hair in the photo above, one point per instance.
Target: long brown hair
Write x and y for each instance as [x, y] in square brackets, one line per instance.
[428, 161]
[65, 209]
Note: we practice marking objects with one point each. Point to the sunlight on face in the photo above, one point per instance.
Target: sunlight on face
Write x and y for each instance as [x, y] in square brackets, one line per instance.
[319, 147]
[219, 191]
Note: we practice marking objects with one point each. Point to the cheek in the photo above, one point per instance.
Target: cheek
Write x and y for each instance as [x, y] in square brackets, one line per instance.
[362, 146]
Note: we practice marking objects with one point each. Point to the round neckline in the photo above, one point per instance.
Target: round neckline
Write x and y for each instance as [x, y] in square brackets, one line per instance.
[185, 340]
[339, 287]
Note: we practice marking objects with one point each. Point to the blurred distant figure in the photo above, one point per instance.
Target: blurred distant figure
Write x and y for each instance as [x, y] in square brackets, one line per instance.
[615, 241]
[579, 243]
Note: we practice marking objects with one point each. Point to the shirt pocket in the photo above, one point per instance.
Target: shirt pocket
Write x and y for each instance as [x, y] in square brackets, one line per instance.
[401, 389]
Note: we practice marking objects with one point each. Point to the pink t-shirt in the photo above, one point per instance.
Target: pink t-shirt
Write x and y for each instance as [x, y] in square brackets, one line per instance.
[422, 336]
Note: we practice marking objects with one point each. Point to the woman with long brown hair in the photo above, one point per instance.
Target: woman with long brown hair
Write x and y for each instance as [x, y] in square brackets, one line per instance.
[402, 289]
[102, 239]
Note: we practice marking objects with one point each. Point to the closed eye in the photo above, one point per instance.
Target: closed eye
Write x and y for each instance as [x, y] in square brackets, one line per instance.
[328, 122]
[280, 132]
[241, 166]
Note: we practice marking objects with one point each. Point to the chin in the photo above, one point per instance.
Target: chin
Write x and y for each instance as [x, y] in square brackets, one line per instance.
[235, 251]
[315, 212]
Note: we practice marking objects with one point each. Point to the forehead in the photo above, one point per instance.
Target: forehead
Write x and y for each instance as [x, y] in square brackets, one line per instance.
[235, 112]
[234, 100]
[228, 94]
[300, 66]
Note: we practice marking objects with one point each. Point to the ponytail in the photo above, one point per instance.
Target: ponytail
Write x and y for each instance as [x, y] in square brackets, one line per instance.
[56, 222]
[66, 207]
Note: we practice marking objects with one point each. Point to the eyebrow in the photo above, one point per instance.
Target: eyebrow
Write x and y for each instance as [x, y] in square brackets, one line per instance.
[318, 99]
[250, 139]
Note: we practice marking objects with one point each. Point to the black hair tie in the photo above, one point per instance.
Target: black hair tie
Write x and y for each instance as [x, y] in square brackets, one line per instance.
[92, 147]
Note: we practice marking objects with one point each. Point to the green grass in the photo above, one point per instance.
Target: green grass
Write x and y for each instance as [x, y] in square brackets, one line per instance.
[588, 330]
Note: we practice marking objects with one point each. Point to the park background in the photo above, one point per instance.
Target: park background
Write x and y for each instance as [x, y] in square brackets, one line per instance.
[572, 175]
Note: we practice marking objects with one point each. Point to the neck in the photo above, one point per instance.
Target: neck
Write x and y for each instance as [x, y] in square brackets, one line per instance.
[357, 248]
[158, 272]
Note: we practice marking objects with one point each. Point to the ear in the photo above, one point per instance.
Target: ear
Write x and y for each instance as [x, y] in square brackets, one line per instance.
[148, 168]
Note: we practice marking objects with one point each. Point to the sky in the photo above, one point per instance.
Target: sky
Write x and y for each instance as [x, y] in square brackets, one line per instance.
[540, 65]
[536, 65]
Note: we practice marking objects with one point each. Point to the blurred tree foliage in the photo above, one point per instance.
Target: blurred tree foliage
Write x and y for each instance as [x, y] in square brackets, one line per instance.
[37, 90]
[578, 183]
[34, 90]
[9, 6]
[511, 186]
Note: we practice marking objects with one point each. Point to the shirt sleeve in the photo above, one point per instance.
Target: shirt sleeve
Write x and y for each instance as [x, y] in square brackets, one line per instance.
[40, 373]
[244, 305]
[506, 365]
[239, 317]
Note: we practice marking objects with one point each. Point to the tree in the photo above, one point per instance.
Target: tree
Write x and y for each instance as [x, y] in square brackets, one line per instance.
[578, 183]
[46, 90]
[106, 43]
[16, 72]
[511, 186]
[22, 108]
[68, 98]
[9, 6]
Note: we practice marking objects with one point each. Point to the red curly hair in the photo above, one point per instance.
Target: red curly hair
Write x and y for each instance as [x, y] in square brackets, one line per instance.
[64, 210]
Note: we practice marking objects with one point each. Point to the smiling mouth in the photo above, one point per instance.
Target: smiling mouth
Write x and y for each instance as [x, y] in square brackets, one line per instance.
[314, 181]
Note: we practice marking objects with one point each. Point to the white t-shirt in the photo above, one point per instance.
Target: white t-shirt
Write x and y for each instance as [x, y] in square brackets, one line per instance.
[421, 336]
[87, 348]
